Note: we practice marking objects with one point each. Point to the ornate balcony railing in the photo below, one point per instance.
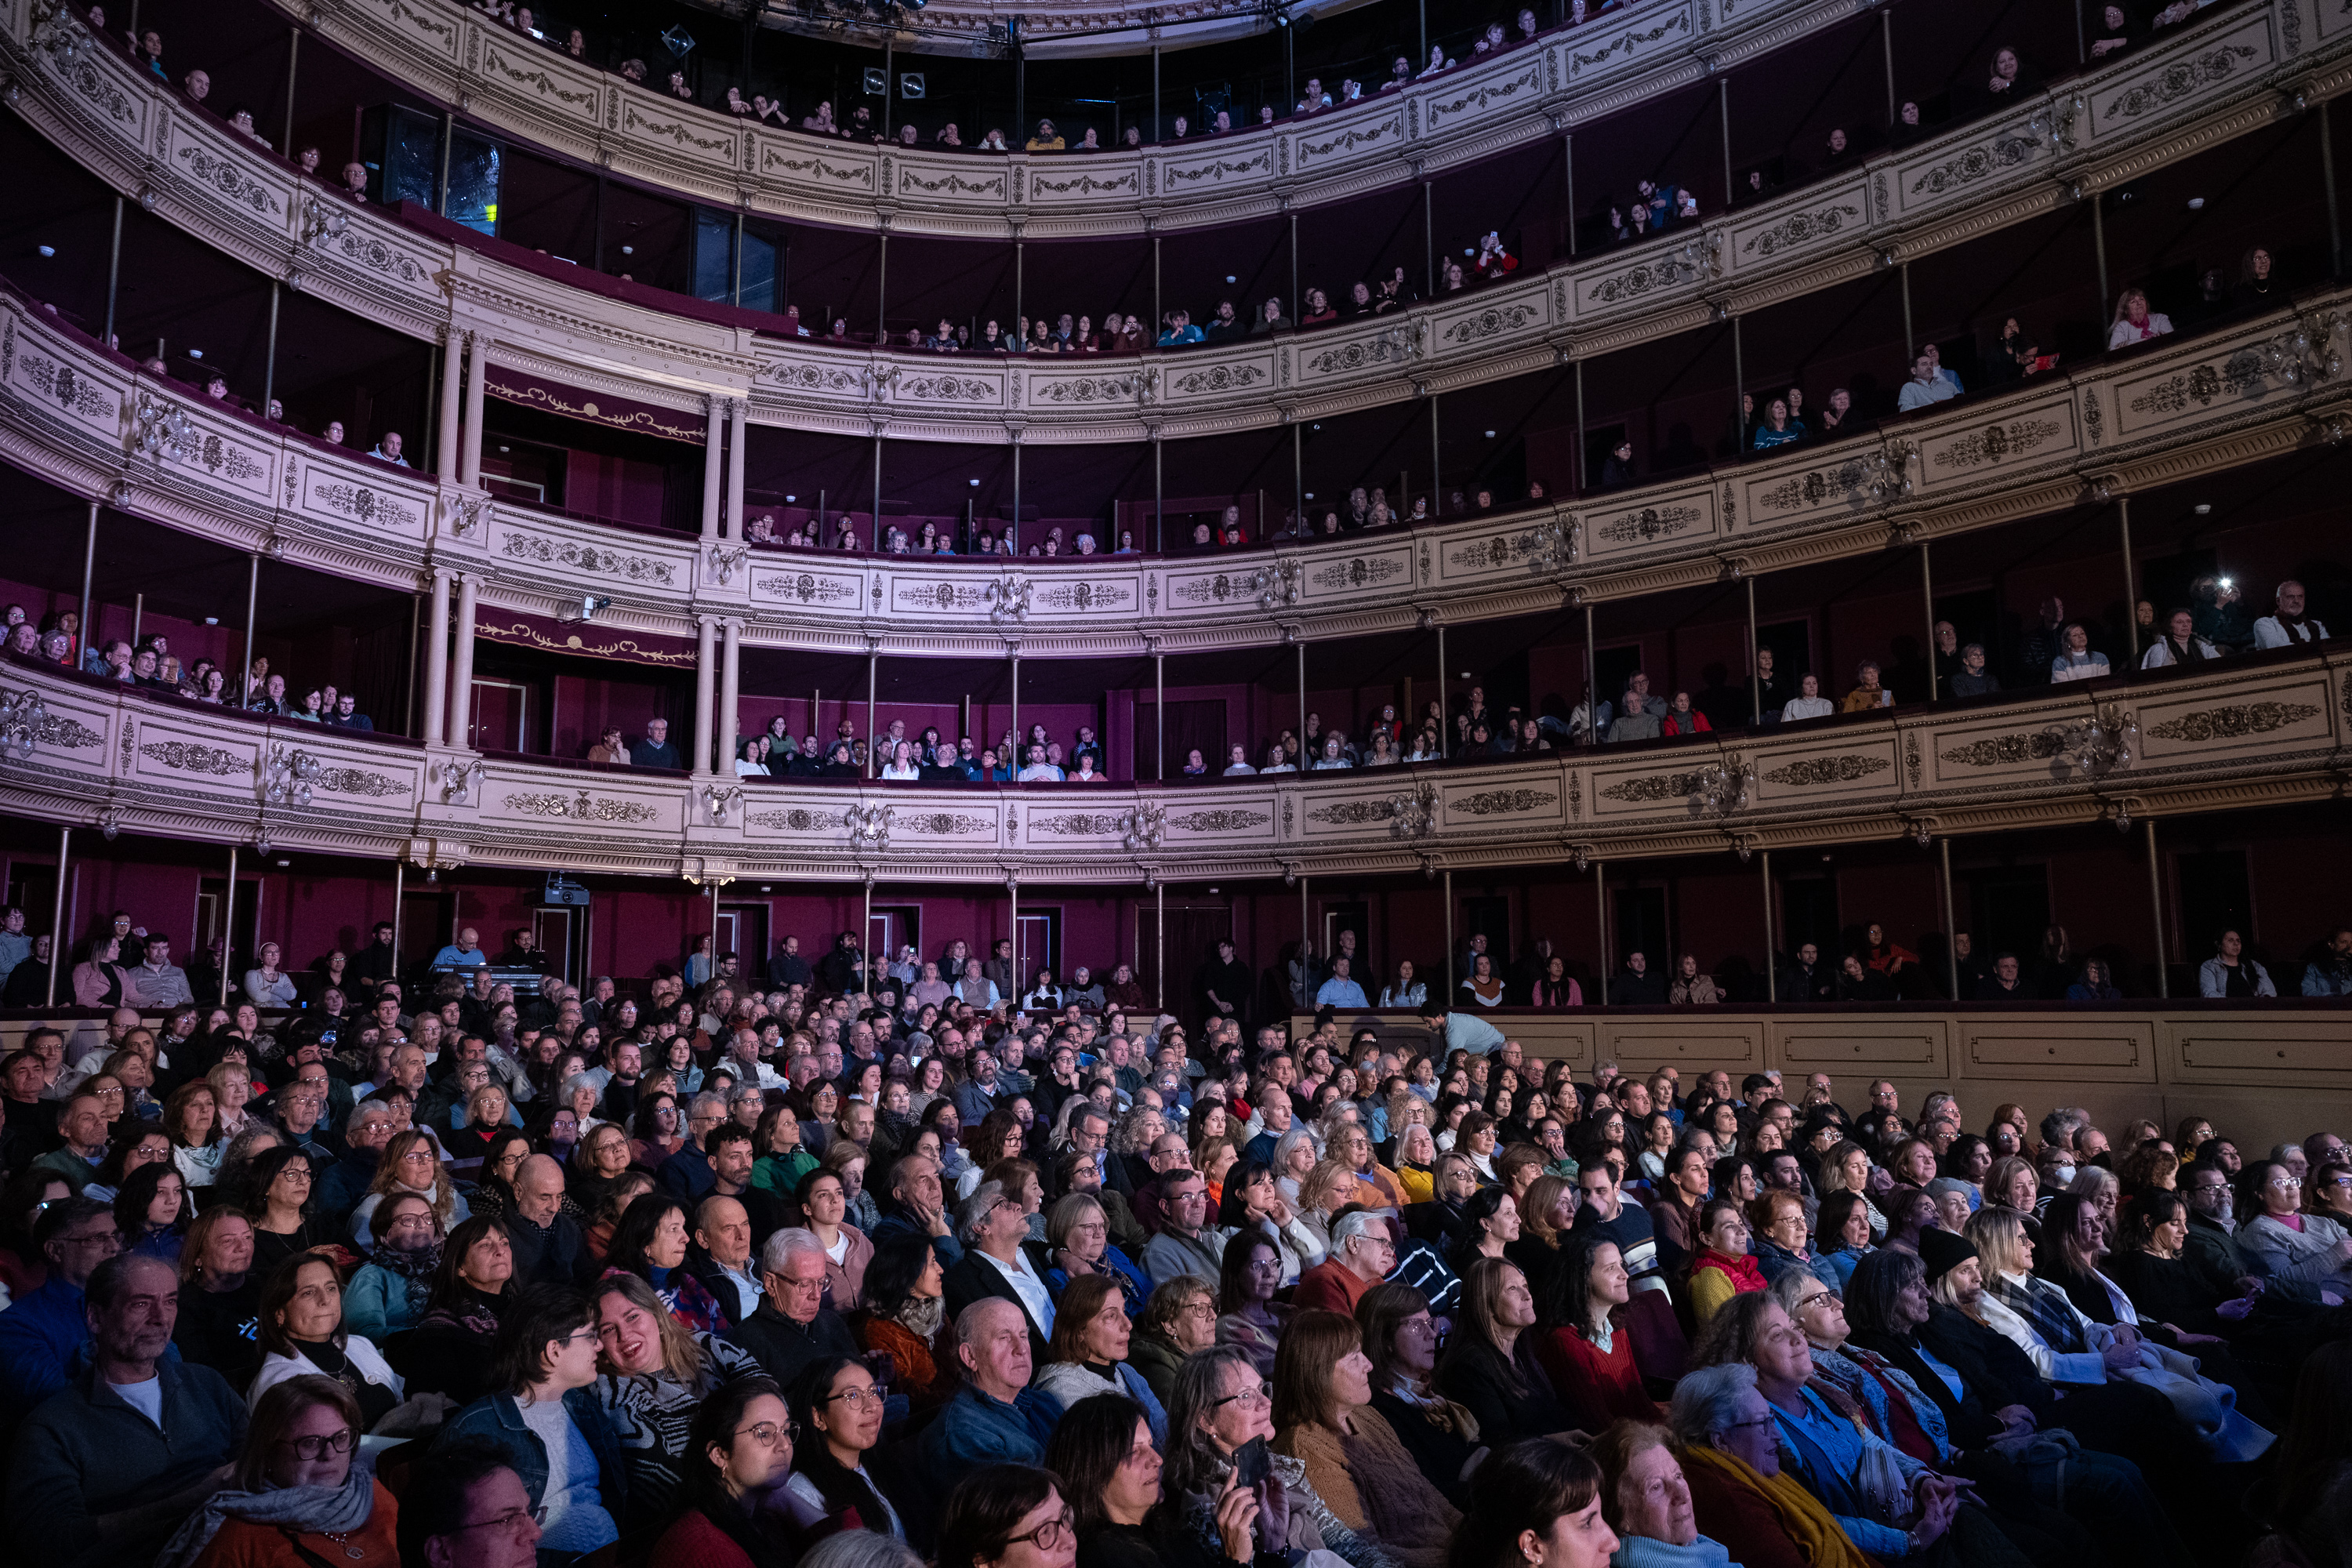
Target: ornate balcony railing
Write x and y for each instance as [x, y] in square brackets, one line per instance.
[2245, 66]
[94, 424]
[2268, 730]
[1524, 94]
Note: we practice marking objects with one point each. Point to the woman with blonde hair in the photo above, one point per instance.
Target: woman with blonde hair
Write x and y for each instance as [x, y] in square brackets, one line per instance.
[192, 1121]
[409, 1164]
[1355, 1461]
[652, 1371]
[232, 1086]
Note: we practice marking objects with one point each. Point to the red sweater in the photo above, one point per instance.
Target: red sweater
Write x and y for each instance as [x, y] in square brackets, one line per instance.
[1596, 1386]
[1330, 1285]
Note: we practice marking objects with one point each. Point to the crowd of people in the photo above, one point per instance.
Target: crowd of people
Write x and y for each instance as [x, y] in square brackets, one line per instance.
[831, 1268]
[152, 665]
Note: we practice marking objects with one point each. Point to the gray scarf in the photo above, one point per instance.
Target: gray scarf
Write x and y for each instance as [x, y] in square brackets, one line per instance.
[305, 1509]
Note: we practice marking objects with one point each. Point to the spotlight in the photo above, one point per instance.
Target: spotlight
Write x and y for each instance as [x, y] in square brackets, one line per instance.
[875, 80]
[46, 251]
[910, 85]
[679, 41]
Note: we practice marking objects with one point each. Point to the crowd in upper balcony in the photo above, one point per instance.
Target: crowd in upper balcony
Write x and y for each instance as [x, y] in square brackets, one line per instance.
[149, 664]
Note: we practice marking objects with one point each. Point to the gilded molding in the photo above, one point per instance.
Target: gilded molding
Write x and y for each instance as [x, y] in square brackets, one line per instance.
[2234, 722]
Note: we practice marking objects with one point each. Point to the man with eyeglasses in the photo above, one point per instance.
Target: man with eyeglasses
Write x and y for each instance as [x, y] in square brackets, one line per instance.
[466, 1508]
[792, 1329]
[686, 1176]
[995, 1417]
[105, 1472]
[1362, 1254]
[45, 1332]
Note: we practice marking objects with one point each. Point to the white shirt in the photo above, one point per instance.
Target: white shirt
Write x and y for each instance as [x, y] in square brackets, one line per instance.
[1805, 707]
[1039, 772]
[2270, 632]
[1025, 1283]
[907, 771]
[1239, 770]
[147, 1398]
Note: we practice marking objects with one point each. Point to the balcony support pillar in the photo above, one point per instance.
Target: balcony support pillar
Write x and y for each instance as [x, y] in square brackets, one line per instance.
[436, 662]
[461, 666]
[478, 369]
[1771, 968]
[731, 675]
[712, 454]
[2155, 907]
[738, 411]
[705, 683]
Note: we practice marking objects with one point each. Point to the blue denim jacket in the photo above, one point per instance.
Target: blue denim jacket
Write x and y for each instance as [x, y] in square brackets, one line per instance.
[497, 1417]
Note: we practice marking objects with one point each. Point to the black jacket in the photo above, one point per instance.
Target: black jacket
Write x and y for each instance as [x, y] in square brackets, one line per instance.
[785, 1348]
[1990, 1366]
[1507, 1402]
[975, 1279]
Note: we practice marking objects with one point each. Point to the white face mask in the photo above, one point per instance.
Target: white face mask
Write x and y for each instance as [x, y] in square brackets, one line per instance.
[2062, 1175]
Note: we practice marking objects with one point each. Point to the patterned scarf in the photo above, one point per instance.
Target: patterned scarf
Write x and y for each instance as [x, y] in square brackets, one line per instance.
[2045, 1307]
[415, 1269]
[303, 1510]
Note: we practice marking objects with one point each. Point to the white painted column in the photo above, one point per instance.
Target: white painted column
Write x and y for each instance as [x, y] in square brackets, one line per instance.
[436, 662]
[703, 682]
[461, 667]
[710, 471]
[477, 372]
[444, 444]
[738, 408]
[730, 671]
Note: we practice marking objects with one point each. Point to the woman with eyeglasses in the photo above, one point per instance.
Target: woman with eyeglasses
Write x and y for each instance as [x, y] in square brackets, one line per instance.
[653, 1370]
[1248, 1315]
[409, 1164]
[1400, 1336]
[2289, 1243]
[740, 1456]
[1180, 1317]
[839, 1408]
[1221, 1407]
[546, 1416]
[388, 1293]
[302, 1493]
[1008, 1516]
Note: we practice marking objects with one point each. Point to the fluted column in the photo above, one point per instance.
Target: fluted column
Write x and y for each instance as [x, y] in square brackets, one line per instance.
[478, 369]
[730, 672]
[738, 408]
[703, 682]
[710, 474]
[461, 667]
[436, 662]
[444, 442]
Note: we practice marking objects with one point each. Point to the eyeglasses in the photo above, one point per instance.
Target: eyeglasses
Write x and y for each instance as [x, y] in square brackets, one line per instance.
[1819, 1297]
[1262, 1394]
[510, 1520]
[770, 1434]
[1765, 1420]
[1047, 1536]
[856, 1398]
[318, 1447]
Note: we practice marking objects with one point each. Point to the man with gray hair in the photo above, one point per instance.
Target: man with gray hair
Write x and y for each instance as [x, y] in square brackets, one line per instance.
[793, 1328]
[366, 1131]
[998, 1261]
[2058, 1128]
[1362, 1254]
[686, 1176]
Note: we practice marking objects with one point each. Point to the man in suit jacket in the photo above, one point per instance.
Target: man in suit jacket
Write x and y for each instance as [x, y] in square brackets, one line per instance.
[999, 1261]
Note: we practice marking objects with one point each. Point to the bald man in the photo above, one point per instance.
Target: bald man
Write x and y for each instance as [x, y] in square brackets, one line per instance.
[548, 1246]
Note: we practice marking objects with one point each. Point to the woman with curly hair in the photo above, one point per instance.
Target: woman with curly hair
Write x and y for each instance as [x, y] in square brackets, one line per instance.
[276, 1192]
